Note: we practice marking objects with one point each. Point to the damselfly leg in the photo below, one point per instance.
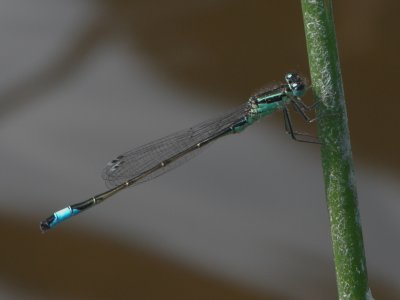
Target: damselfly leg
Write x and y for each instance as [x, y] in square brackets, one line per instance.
[300, 107]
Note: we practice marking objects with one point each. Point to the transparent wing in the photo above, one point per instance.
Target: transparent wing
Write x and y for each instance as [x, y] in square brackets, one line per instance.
[144, 158]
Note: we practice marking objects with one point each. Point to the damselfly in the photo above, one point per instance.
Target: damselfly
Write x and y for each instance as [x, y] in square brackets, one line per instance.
[160, 156]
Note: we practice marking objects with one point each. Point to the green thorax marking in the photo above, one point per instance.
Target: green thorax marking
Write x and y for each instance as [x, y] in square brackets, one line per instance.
[266, 103]
[263, 104]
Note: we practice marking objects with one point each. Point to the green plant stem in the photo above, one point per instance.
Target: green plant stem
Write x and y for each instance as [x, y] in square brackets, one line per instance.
[346, 233]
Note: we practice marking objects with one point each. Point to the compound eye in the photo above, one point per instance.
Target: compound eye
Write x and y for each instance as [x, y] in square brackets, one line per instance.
[298, 89]
[295, 84]
[289, 77]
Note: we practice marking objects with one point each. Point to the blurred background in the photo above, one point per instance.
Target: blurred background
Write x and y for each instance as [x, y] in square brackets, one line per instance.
[84, 81]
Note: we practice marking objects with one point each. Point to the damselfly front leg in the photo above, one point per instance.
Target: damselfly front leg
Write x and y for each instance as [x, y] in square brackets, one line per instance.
[298, 136]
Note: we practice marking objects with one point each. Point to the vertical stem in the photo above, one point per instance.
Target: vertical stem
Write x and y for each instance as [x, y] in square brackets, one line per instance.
[346, 234]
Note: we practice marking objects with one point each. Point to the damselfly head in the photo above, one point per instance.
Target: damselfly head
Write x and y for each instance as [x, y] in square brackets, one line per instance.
[296, 84]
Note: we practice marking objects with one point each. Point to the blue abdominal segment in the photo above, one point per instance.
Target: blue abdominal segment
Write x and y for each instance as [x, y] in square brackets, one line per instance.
[58, 217]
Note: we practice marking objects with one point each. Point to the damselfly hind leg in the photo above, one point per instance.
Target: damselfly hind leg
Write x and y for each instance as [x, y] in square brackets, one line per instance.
[301, 108]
